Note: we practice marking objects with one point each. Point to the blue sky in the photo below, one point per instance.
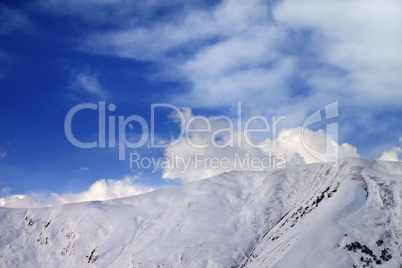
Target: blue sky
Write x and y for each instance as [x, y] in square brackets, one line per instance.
[275, 57]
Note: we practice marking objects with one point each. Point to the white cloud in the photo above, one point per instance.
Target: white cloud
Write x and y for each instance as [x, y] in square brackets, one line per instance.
[252, 50]
[100, 190]
[288, 146]
[278, 57]
[90, 84]
[22, 201]
[84, 168]
[244, 62]
[104, 190]
[392, 155]
[196, 168]
[362, 43]
[145, 43]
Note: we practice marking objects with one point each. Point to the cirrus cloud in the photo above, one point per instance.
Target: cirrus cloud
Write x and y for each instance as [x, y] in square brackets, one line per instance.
[276, 57]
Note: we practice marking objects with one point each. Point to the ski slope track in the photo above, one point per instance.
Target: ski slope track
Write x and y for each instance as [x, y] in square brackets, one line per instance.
[317, 215]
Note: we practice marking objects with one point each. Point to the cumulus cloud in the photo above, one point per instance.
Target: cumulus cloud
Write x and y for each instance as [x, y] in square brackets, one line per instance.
[104, 190]
[100, 190]
[392, 155]
[196, 162]
[296, 148]
[223, 148]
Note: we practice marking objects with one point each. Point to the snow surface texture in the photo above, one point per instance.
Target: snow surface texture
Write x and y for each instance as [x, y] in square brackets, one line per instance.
[304, 216]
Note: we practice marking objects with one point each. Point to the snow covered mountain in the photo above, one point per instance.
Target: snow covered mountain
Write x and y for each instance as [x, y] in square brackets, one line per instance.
[314, 215]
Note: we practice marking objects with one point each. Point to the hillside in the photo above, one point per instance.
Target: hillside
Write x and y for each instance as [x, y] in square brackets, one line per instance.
[303, 216]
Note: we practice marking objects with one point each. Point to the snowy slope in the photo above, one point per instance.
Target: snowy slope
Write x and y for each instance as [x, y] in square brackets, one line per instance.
[352, 220]
[305, 216]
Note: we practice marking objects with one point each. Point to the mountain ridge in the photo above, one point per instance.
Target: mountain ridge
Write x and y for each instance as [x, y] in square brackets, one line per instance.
[275, 218]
